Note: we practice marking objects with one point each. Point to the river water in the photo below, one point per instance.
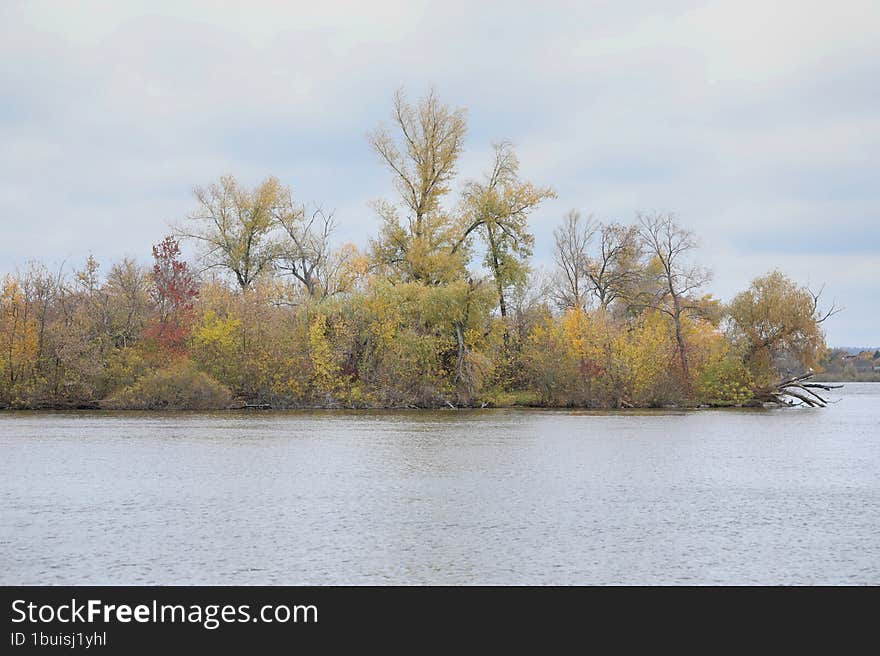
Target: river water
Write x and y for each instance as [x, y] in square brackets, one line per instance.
[444, 497]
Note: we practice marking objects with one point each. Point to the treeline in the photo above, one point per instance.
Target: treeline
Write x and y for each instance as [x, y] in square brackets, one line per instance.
[441, 308]
[841, 365]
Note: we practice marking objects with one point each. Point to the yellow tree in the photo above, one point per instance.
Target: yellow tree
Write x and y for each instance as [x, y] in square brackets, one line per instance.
[325, 368]
[643, 355]
[775, 316]
[19, 338]
[550, 361]
[235, 226]
[497, 209]
[216, 344]
[421, 149]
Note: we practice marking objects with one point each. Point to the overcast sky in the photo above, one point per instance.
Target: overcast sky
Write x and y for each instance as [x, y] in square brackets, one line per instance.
[756, 122]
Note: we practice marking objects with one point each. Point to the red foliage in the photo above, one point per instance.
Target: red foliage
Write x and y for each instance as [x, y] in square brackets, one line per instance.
[174, 291]
[590, 368]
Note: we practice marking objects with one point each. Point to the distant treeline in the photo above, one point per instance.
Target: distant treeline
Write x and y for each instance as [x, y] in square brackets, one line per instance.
[273, 314]
[862, 365]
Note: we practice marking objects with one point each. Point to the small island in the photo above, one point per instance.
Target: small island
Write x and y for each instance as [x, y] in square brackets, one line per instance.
[440, 309]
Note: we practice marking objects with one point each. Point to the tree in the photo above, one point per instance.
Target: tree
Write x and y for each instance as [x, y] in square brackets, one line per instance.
[174, 290]
[325, 365]
[306, 246]
[615, 269]
[343, 271]
[550, 366]
[422, 154]
[670, 245]
[77, 338]
[91, 325]
[643, 353]
[776, 316]
[498, 209]
[572, 240]
[18, 338]
[235, 225]
[43, 287]
[87, 277]
[306, 254]
[128, 289]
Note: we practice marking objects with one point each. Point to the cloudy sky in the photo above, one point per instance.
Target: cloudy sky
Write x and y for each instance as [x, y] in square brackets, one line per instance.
[757, 123]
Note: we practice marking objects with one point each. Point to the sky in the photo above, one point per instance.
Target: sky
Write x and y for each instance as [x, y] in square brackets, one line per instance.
[757, 123]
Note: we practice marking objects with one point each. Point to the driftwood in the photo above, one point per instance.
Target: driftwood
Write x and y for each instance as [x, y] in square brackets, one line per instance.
[252, 406]
[796, 391]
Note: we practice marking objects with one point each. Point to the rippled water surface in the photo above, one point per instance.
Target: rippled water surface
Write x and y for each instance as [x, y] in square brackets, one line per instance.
[491, 496]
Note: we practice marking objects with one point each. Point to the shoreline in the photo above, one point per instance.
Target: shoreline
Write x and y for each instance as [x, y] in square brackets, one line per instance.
[258, 408]
[391, 409]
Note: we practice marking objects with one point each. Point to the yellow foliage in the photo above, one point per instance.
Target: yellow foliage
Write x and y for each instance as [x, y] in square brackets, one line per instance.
[773, 317]
[324, 367]
[19, 340]
[215, 344]
[643, 355]
[217, 333]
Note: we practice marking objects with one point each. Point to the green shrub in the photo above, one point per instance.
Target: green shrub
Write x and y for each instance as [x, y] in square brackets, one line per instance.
[179, 387]
[725, 382]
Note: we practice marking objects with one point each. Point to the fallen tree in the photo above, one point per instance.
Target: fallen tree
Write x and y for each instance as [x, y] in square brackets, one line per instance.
[796, 391]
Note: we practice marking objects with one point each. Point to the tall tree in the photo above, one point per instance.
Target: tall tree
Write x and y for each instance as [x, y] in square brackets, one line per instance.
[615, 268]
[670, 245]
[497, 209]
[235, 226]
[421, 148]
[572, 240]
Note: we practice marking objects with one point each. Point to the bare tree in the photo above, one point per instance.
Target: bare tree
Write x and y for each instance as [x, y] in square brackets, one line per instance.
[305, 250]
[669, 245]
[615, 269]
[341, 270]
[572, 260]
[820, 315]
[528, 299]
[128, 285]
[41, 287]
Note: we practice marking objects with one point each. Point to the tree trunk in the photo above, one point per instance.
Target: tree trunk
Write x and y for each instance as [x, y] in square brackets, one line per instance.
[679, 338]
[796, 388]
[502, 304]
[459, 335]
[496, 272]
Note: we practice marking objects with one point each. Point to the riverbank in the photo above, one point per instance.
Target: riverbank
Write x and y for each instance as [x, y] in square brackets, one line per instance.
[265, 407]
[509, 399]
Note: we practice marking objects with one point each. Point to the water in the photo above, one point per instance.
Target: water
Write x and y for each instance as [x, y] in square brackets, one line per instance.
[445, 497]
